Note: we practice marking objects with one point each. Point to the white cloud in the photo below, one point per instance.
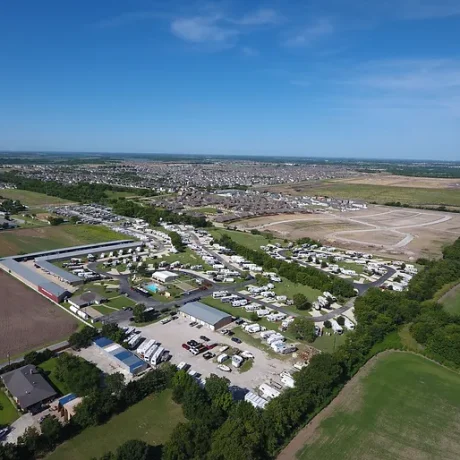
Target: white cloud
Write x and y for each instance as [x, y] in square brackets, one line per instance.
[423, 75]
[200, 29]
[249, 51]
[263, 16]
[307, 36]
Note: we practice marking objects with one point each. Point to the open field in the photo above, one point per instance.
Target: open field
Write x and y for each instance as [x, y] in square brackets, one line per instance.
[28, 320]
[26, 240]
[8, 412]
[399, 406]
[406, 233]
[391, 180]
[451, 300]
[31, 199]
[254, 242]
[151, 420]
[414, 191]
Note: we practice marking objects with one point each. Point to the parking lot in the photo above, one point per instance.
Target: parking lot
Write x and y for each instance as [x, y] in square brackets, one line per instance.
[173, 334]
[102, 360]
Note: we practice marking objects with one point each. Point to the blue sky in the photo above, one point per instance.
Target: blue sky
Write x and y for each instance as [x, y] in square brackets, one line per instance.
[361, 78]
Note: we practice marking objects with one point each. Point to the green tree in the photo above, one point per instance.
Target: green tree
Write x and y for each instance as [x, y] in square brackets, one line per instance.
[327, 324]
[218, 391]
[188, 441]
[115, 382]
[240, 437]
[253, 316]
[30, 440]
[303, 329]
[341, 320]
[135, 450]
[301, 301]
[51, 430]
[139, 313]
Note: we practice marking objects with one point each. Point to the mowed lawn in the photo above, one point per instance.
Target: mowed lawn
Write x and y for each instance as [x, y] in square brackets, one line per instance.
[405, 407]
[8, 412]
[451, 301]
[244, 238]
[49, 368]
[383, 194]
[26, 240]
[151, 420]
[31, 199]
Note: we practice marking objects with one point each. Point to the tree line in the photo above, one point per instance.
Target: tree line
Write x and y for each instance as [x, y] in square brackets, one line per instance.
[83, 192]
[154, 215]
[295, 273]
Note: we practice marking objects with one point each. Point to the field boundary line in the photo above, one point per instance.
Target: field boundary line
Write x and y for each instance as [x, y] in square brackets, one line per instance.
[52, 301]
[296, 444]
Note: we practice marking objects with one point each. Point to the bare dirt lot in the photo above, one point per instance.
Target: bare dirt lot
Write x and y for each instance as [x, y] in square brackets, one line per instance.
[405, 233]
[28, 320]
[404, 181]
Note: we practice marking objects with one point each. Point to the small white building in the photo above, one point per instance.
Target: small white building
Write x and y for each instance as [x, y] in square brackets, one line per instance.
[165, 276]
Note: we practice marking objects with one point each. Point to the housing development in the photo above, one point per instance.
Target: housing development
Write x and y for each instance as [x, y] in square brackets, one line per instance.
[252, 290]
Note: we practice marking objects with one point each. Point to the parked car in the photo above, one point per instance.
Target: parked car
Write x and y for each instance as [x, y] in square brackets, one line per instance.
[184, 345]
[236, 340]
[203, 337]
[194, 351]
[193, 324]
[239, 321]
[208, 355]
[211, 346]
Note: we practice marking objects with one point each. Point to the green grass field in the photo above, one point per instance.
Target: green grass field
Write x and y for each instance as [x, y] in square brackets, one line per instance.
[288, 289]
[8, 412]
[31, 199]
[383, 194]
[246, 239]
[151, 420]
[451, 301]
[103, 309]
[405, 407]
[121, 302]
[329, 343]
[26, 240]
[186, 257]
[50, 370]
[206, 210]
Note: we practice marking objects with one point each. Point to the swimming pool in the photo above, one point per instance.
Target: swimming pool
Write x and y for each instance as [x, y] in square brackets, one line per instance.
[152, 287]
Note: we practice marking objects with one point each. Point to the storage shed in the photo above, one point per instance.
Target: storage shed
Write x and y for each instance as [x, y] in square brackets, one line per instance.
[123, 358]
[205, 315]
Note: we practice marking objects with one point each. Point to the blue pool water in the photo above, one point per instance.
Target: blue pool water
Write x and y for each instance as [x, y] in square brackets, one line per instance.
[152, 287]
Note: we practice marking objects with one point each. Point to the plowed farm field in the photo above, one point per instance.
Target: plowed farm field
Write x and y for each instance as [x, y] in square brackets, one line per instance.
[28, 320]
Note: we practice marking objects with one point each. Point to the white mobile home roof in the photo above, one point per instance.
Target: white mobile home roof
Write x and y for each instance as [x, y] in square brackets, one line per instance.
[204, 313]
[255, 400]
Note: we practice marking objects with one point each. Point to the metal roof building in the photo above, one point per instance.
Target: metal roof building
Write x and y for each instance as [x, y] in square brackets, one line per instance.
[35, 280]
[124, 358]
[205, 315]
[57, 271]
[83, 248]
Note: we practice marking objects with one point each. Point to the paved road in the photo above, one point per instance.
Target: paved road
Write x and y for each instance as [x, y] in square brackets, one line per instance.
[55, 347]
[361, 287]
